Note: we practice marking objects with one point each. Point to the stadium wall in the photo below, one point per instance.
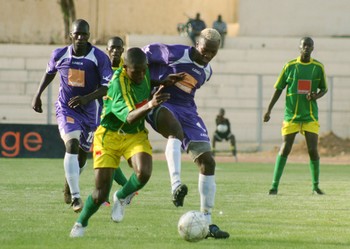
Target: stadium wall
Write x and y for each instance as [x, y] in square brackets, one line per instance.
[41, 21]
[317, 18]
[244, 75]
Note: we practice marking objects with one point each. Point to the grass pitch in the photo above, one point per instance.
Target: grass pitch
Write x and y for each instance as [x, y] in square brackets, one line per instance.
[33, 214]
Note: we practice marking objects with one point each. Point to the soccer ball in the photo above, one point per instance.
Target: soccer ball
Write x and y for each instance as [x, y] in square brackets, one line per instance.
[222, 128]
[193, 226]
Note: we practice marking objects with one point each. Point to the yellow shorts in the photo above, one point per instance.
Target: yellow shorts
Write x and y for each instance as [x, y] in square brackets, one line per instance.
[290, 127]
[110, 146]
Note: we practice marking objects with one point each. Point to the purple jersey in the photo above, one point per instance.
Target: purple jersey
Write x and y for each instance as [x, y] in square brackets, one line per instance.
[80, 76]
[168, 59]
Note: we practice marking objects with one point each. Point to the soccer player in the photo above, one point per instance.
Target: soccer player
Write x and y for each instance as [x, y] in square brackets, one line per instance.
[115, 49]
[178, 120]
[305, 81]
[223, 132]
[85, 72]
[122, 132]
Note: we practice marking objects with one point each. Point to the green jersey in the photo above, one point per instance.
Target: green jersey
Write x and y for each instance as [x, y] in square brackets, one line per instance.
[122, 97]
[300, 79]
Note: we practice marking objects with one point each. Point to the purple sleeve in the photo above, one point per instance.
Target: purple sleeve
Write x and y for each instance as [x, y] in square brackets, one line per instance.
[104, 68]
[51, 65]
[157, 53]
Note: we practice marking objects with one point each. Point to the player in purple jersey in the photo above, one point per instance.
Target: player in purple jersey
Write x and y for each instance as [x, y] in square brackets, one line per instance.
[178, 120]
[84, 72]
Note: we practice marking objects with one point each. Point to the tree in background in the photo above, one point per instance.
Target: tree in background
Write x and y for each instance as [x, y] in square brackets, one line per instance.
[68, 11]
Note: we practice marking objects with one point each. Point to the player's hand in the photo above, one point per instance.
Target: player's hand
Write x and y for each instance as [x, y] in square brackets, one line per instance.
[311, 96]
[267, 117]
[37, 105]
[171, 79]
[158, 97]
[77, 101]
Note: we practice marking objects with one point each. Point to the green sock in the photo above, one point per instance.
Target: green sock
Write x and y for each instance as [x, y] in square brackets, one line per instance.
[315, 173]
[89, 209]
[119, 177]
[130, 187]
[279, 167]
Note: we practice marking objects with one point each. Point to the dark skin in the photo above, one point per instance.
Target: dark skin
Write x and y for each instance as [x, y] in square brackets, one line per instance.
[135, 65]
[219, 119]
[115, 49]
[306, 47]
[79, 35]
[169, 127]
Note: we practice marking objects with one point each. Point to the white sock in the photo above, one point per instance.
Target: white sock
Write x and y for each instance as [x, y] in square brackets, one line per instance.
[71, 168]
[173, 157]
[207, 189]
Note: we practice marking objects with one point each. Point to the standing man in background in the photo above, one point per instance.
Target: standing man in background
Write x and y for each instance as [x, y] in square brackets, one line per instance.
[221, 27]
[305, 80]
[85, 72]
[194, 27]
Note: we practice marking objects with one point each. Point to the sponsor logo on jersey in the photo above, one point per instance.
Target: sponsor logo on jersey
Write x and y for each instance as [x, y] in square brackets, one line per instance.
[196, 71]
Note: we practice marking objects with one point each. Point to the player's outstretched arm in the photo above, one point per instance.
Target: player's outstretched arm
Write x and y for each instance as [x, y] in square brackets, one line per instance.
[45, 81]
[273, 101]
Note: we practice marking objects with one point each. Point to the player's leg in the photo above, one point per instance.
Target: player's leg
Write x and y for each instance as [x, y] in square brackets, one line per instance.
[103, 179]
[163, 120]
[311, 136]
[216, 138]
[233, 148]
[139, 156]
[198, 146]
[213, 143]
[289, 131]
[201, 154]
[72, 169]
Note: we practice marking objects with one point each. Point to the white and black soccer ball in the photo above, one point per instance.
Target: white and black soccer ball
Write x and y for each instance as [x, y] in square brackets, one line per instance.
[193, 226]
[222, 128]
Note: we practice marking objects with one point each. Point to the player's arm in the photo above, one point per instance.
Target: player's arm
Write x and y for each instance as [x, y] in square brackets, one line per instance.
[273, 101]
[45, 81]
[83, 100]
[170, 80]
[157, 98]
[316, 95]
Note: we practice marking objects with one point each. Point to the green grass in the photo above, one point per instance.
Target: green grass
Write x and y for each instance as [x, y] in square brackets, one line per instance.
[33, 214]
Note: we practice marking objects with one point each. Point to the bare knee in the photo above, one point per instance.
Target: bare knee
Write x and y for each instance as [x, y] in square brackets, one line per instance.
[206, 163]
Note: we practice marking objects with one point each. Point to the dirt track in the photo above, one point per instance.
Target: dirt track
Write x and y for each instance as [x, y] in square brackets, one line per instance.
[332, 149]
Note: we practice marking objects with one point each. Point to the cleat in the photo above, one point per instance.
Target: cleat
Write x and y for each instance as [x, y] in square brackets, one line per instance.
[179, 195]
[216, 233]
[118, 208]
[273, 191]
[128, 199]
[106, 203]
[77, 231]
[77, 205]
[66, 193]
[318, 191]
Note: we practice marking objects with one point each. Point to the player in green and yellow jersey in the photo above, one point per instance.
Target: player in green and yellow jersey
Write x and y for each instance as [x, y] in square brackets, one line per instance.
[305, 81]
[122, 133]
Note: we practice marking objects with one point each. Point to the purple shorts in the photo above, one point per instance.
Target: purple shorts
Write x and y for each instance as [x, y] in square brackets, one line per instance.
[69, 120]
[192, 125]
